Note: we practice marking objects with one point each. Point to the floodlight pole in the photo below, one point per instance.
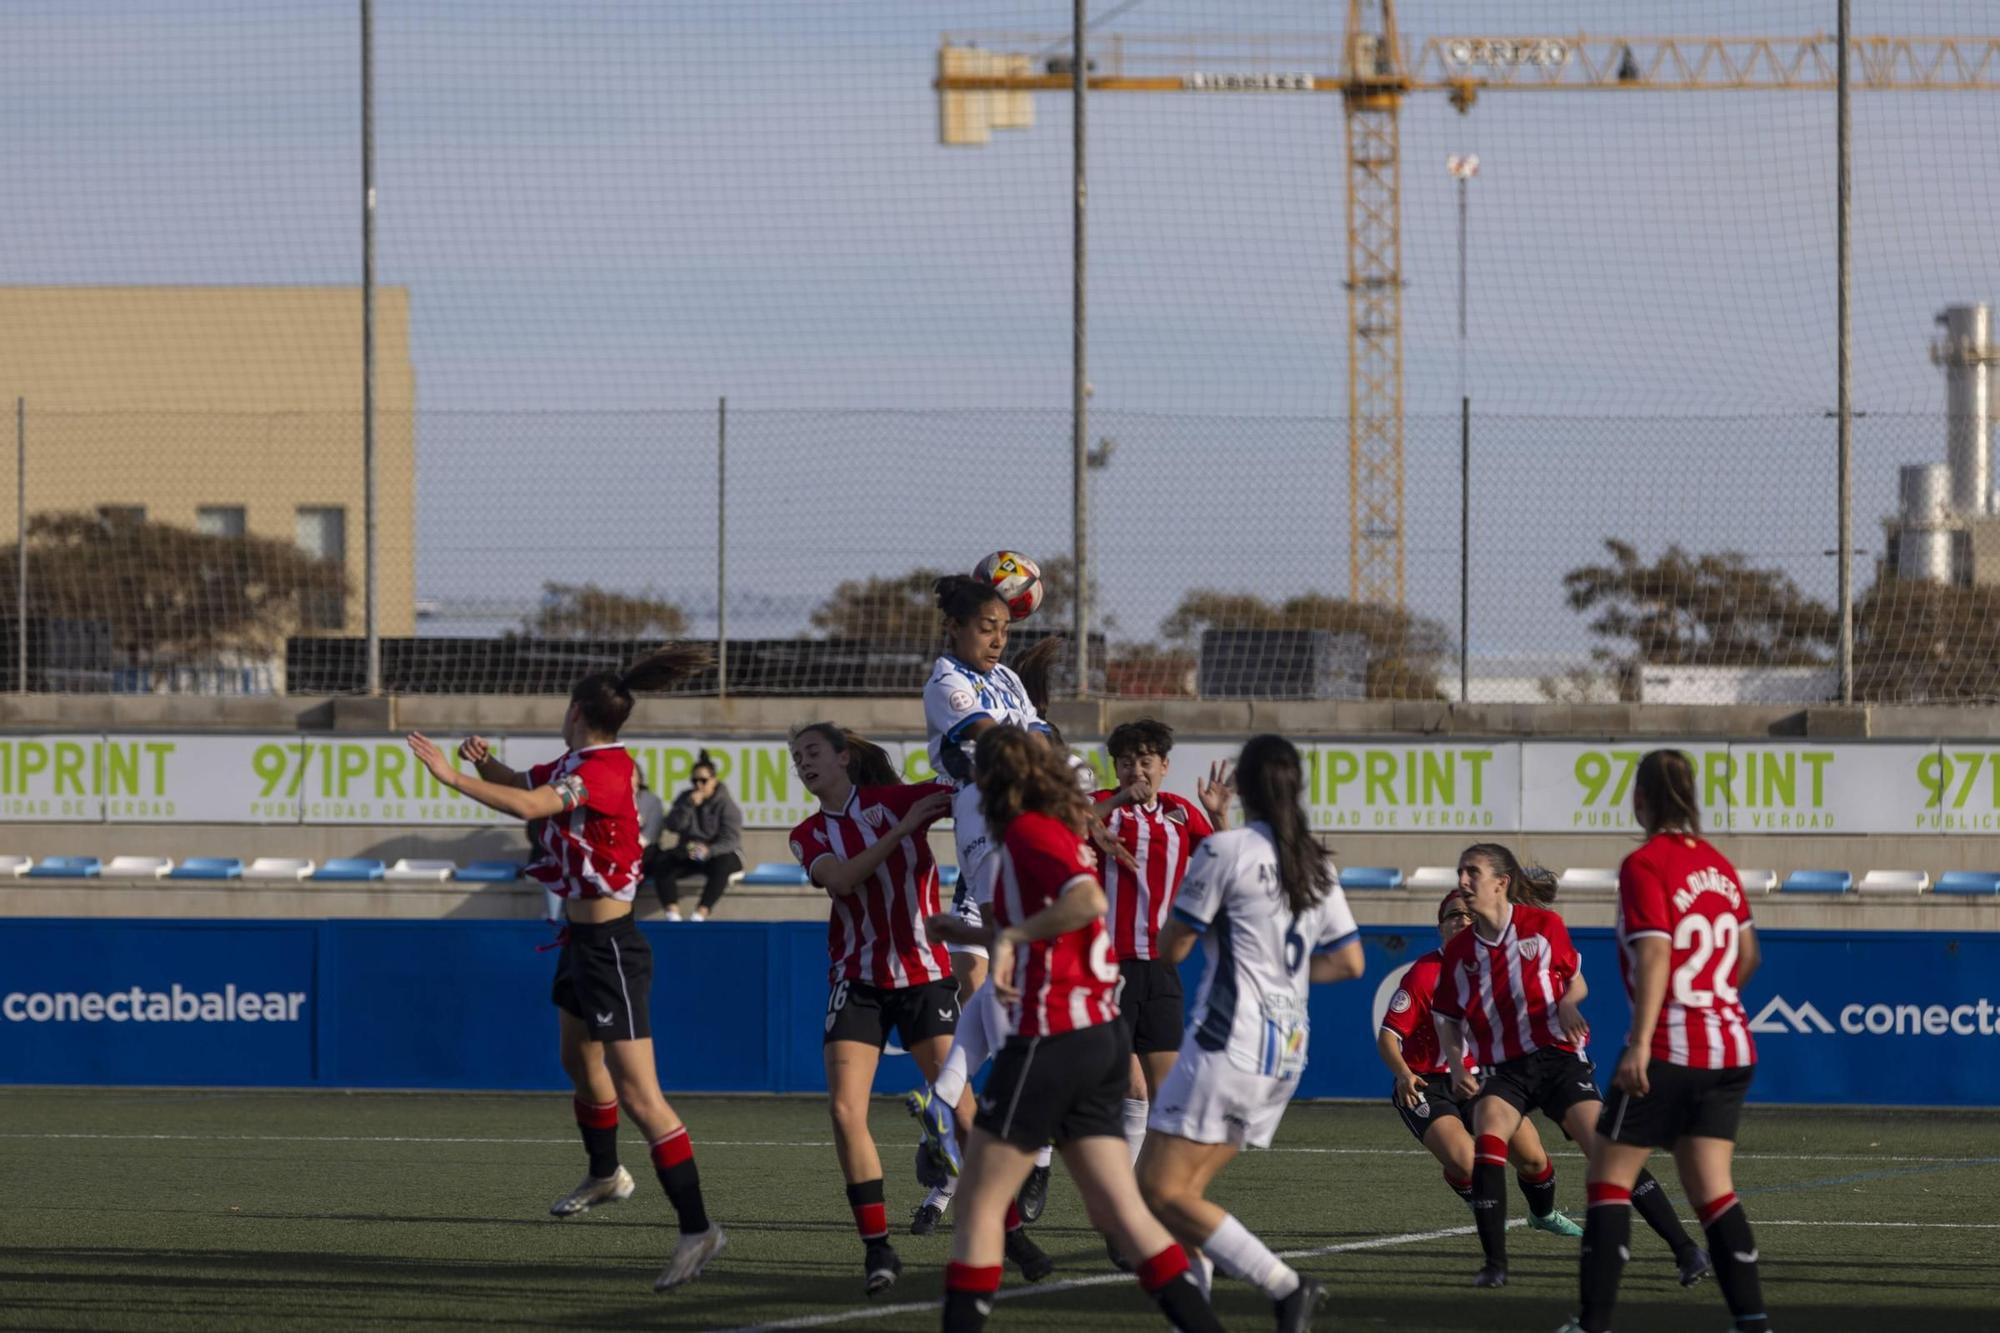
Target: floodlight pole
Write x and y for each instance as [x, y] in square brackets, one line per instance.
[1844, 357]
[1079, 385]
[1463, 167]
[722, 547]
[21, 538]
[371, 626]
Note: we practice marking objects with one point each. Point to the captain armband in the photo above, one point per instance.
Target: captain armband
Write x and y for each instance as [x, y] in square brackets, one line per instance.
[572, 791]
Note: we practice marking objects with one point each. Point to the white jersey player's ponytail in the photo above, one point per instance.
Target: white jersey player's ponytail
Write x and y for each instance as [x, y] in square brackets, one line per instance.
[1270, 781]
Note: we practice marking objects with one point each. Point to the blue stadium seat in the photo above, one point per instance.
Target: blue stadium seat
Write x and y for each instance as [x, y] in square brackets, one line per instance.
[1967, 881]
[948, 876]
[349, 868]
[776, 875]
[490, 872]
[66, 867]
[1370, 877]
[1817, 881]
[208, 867]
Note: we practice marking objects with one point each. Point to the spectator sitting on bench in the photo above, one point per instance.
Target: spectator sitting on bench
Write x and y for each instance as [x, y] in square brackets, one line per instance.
[710, 829]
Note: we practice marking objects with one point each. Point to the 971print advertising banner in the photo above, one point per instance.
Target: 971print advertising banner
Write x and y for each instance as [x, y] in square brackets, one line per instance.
[1414, 786]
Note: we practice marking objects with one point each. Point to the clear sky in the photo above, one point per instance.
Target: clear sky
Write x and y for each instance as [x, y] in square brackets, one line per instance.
[610, 213]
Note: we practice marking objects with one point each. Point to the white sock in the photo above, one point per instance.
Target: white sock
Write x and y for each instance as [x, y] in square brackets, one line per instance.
[940, 1198]
[1135, 1124]
[1244, 1257]
[951, 1079]
[1045, 1156]
[1202, 1269]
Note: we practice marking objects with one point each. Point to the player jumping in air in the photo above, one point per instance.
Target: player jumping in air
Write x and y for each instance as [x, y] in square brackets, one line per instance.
[969, 692]
[1507, 1001]
[587, 802]
[1266, 903]
[1423, 1096]
[867, 848]
[1686, 944]
[1062, 1073]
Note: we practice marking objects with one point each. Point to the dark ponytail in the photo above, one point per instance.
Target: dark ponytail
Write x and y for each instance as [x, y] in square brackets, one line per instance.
[703, 760]
[961, 597]
[1666, 782]
[1034, 666]
[1531, 885]
[868, 764]
[1271, 783]
[605, 697]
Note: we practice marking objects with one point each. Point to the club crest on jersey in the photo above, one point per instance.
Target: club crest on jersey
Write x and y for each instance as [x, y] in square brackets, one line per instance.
[1400, 1004]
[1531, 948]
[819, 836]
[1175, 815]
[875, 814]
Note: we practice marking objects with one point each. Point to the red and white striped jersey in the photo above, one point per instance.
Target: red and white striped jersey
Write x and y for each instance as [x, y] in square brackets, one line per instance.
[875, 935]
[591, 851]
[1066, 983]
[1682, 890]
[1409, 1015]
[1160, 837]
[1504, 993]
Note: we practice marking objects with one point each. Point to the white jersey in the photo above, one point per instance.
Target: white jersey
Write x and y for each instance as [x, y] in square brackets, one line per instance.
[1252, 1001]
[956, 697]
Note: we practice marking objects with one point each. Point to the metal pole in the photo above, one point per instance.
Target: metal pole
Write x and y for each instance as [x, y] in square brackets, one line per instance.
[1464, 474]
[1079, 386]
[1843, 250]
[371, 627]
[722, 547]
[21, 538]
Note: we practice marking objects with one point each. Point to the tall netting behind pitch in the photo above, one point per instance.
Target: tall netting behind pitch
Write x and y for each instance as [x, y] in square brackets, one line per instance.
[598, 221]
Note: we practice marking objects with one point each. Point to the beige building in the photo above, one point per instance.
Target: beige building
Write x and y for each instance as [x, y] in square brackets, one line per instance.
[229, 410]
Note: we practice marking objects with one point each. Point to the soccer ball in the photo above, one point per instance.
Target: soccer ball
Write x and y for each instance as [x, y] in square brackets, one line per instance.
[1016, 578]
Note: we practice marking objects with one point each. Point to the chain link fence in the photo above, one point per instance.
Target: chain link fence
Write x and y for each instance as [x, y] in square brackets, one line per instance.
[591, 233]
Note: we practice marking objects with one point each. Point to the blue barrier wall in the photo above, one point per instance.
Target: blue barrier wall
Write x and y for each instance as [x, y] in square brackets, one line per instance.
[1868, 1017]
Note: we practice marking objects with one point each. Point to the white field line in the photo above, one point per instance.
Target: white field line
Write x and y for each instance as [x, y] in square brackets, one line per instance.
[828, 1143]
[1097, 1280]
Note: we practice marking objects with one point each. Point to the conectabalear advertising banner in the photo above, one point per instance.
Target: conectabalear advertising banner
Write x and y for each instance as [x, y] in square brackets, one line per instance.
[1839, 1017]
[1453, 786]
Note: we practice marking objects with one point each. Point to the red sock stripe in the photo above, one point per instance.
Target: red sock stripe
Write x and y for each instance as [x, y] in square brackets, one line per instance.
[594, 1115]
[1456, 1183]
[1548, 1174]
[1163, 1268]
[872, 1220]
[1599, 1192]
[673, 1149]
[1013, 1216]
[1711, 1212]
[969, 1277]
[1490, 1150]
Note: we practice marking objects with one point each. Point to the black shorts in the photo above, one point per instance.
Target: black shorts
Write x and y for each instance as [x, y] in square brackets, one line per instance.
[604, 975]
[1550, 1080]
[1150, 1006]
[1439, 1103]
[1057, 1089]
[868, 1014]
[1683, 1103]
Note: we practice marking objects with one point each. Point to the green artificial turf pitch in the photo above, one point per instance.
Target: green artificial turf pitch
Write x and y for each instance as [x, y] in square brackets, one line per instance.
[216, 1210]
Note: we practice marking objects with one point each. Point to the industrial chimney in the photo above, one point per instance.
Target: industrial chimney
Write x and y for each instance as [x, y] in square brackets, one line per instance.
[1967, 353]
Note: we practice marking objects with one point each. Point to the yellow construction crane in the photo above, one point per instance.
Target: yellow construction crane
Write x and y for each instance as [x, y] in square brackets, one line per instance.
[986, 82]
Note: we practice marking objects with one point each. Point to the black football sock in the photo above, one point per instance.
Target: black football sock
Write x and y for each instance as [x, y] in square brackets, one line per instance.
[1652, 1203]
[673, 1162]
[1462, 1188]
[1607, 1237]
[598, 1123]
[1167, 1280]
[968, 1296]
[871, 1215]
[1489, 1198]
[1733, 1250]
[1540, 1192]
